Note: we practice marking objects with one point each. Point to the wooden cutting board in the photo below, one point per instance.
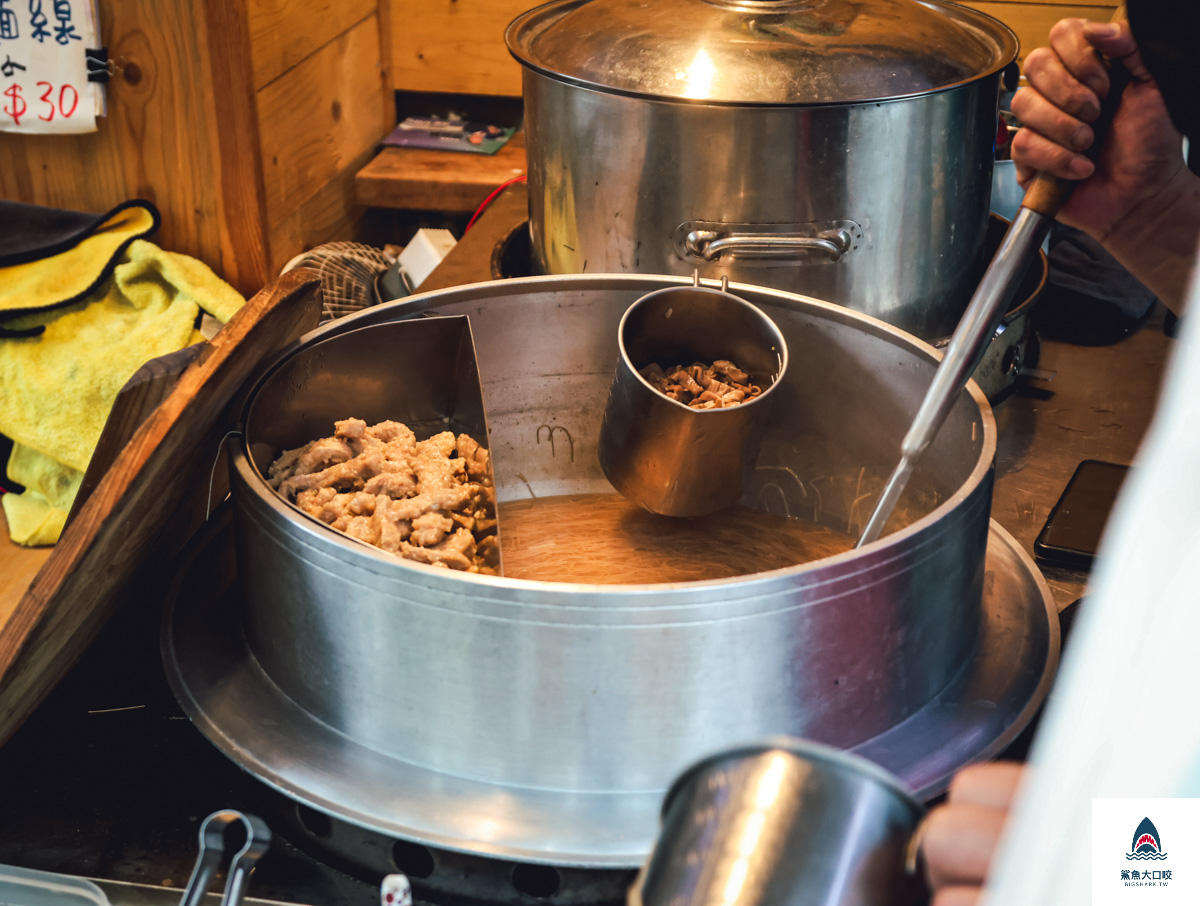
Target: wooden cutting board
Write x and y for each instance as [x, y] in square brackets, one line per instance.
[145, 506]
[141, 395]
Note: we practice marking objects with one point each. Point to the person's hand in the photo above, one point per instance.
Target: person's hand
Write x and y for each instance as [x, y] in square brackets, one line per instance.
[1141, 160]
[958, 839]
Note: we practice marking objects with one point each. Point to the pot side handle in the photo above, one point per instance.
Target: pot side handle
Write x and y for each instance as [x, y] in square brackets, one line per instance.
[819, 244]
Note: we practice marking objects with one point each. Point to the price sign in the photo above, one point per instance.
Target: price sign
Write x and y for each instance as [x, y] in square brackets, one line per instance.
[43, 68]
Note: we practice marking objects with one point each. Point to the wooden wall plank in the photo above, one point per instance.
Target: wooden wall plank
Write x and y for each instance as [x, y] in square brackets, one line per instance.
[161, 140]
[320, 117]
[334, 213]
[1058, 3]
[284, 32]
[244, 244]
[1032, 21]
[383, 9]
[458, 45]
[454, 46]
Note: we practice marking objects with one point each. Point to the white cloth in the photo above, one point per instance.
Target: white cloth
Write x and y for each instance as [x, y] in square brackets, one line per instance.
[1124, 715]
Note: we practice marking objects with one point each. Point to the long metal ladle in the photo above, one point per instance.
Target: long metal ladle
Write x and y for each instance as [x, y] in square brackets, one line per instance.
[1043, 200]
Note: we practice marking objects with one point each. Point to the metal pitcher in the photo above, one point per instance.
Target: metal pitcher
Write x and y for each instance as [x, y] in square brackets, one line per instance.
[660, 453]
[783, 821]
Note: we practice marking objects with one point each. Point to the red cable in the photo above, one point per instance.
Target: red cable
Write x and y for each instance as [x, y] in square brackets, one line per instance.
[487, 201]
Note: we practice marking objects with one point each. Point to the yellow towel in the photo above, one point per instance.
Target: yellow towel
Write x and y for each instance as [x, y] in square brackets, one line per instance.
[67, 277]
[56, 389]
[37, 516]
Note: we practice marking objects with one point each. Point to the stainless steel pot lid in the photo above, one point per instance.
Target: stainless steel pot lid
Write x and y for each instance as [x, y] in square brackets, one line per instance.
[762, 52]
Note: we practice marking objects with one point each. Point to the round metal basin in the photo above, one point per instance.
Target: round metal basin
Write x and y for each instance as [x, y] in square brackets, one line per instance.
[576, 705]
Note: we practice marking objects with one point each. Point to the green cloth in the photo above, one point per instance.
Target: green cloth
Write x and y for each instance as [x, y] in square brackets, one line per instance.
[56, 389]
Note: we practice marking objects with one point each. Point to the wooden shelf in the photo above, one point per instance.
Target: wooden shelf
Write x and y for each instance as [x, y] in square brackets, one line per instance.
[419, 179]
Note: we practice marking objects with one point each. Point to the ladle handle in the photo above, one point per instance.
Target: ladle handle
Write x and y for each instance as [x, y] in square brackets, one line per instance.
[1043, 199]
[1046, 193]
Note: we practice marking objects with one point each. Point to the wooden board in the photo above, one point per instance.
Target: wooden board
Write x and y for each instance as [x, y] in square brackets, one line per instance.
[149, 386]
[1059, 2]
[184, 128]
[146, 506]
[470, 261]
[283, 33]
[319, 117]
[1032, 21]
[18, 566]
[234, 148]
[458, 45]
[427, 180]
[332, 213]
[454, 46]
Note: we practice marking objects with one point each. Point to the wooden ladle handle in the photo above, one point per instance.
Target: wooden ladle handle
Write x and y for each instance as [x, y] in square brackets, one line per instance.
[1047, 193]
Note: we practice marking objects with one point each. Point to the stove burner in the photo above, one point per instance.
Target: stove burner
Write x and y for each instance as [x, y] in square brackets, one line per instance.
[512, 256]
[443, 876]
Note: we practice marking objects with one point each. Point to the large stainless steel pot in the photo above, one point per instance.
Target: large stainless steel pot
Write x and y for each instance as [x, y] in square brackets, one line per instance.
[596, 696]
[838, 149]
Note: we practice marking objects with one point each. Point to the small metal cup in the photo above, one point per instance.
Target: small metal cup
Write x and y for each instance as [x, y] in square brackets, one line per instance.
[668, 457]
[780, 822]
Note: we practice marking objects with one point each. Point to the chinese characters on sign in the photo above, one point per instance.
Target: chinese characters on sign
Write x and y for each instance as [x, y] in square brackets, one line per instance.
[1135, 875]
[44, 83]
[64, 32]
[9, 28]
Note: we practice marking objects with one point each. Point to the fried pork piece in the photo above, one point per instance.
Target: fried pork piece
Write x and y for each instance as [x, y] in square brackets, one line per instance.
[456, 551]
[396, 484]
[488, 549]
[283, 467]
[350, 475]
[431, 501]
[324, 453]
[479, 464]
[698, 385]
[430, 528]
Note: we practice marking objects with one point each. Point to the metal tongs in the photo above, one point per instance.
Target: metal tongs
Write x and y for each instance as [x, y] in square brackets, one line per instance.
[1043, 200]
[213, 833]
